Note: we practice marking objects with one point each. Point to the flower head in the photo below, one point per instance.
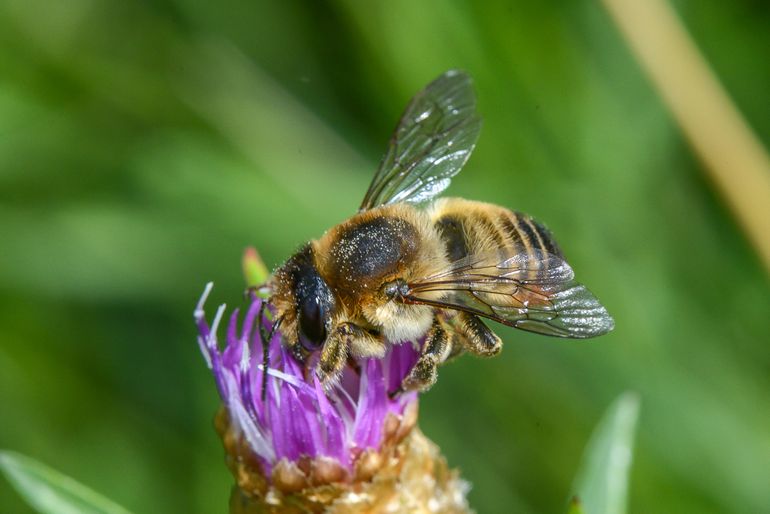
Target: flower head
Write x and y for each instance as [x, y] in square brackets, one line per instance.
[301, 434]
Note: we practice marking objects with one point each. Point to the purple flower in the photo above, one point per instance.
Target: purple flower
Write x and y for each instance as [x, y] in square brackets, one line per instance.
[301, 434]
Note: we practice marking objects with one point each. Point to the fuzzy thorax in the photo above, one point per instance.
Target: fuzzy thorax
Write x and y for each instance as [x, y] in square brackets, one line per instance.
[358, 257]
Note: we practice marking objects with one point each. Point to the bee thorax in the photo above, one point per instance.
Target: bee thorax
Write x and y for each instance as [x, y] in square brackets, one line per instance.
[363, 251]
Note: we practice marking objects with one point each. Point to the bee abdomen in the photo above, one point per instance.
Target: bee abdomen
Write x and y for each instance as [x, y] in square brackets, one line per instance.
[467, 227]
[526, 233]
[452, 233]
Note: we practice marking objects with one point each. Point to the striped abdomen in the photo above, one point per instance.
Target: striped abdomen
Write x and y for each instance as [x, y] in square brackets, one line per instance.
[474, 228]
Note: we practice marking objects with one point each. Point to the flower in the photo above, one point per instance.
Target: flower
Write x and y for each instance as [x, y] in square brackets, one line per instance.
[312, 445]
[298, 420]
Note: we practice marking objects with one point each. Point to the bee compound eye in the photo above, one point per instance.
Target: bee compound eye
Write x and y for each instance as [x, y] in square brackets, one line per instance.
[312, 323]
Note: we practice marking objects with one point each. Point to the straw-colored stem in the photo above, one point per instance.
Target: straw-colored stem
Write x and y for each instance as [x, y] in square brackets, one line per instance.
[736, 162]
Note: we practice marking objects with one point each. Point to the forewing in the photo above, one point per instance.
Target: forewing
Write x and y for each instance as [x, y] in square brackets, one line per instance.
[433, 139]
[533, 291]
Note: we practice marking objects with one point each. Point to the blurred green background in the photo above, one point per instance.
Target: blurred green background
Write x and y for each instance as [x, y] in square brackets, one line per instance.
[144, 144]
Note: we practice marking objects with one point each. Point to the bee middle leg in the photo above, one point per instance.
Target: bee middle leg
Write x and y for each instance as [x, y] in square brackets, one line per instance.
[475, 336]
[436, 349]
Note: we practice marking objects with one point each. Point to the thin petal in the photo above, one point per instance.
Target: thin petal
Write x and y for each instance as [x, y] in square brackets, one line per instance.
[254, 436]
[372, 406]
[335, 430]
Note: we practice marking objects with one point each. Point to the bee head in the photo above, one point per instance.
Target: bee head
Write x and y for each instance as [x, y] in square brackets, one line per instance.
[308, 298]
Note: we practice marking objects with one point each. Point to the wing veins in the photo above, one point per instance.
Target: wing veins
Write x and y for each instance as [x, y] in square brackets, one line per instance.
[414, 161]
[543, 297]
[432, 140]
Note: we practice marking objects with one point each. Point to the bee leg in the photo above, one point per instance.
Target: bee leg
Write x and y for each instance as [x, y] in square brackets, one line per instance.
[458, 346]
[346, 340]
[476, 336]
[334, 355]
[438, 346]
[364, 343]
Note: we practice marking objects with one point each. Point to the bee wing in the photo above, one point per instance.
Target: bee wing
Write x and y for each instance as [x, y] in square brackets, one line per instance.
[434, 137]
[534, 291]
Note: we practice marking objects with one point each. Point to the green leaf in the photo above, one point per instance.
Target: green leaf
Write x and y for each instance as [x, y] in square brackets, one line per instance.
[50, 492]
[602, 481]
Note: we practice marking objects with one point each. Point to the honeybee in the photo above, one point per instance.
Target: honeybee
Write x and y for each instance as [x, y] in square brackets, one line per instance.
[396, 272]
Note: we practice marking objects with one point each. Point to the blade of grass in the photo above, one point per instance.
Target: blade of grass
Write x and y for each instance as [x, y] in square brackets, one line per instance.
[733, 156]
[50, 492]
[602, 482]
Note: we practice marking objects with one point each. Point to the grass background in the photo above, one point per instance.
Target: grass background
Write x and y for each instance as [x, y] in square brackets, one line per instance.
[144, 144]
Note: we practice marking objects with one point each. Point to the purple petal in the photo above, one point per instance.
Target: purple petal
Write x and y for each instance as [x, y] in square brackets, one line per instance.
[274, 418]
[231, 356]
[372, 406]
[248, 321]
[333, 423]
[301, 432]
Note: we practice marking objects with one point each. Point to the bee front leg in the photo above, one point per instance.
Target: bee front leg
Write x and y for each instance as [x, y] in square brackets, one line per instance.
[333, 358]
[364, 343]
[438, 346]
[346, 339]
[476, 337]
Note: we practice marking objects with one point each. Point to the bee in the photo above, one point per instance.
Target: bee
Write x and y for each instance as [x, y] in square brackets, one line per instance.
[408, 267]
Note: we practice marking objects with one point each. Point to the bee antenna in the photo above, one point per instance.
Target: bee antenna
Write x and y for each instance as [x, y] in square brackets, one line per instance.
[266, 338]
